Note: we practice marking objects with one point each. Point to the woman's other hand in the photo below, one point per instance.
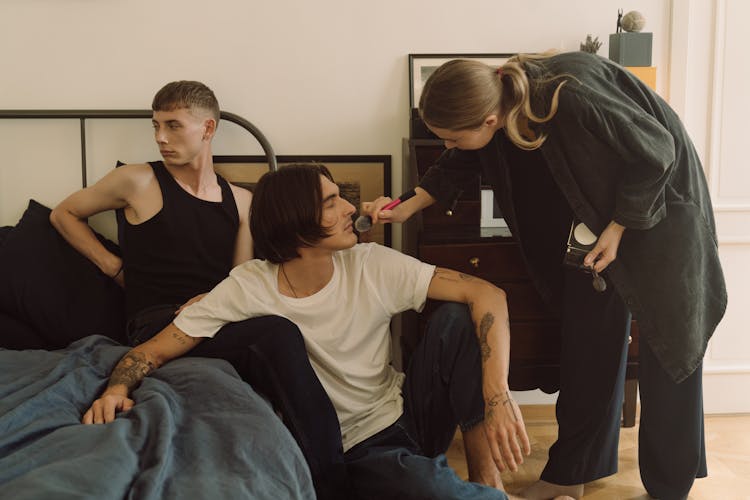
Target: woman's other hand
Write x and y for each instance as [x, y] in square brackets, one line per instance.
[605, 250]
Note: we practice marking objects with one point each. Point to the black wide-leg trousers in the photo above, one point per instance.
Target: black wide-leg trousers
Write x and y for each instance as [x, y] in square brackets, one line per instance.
[595, 331]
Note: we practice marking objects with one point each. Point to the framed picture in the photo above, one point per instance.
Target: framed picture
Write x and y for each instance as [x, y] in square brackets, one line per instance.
[421, 66]
[359, 177]
[490, 214]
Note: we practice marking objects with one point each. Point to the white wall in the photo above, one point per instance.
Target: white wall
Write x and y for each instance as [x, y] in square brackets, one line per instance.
[331, 77]
[323, 77]
[716, 108]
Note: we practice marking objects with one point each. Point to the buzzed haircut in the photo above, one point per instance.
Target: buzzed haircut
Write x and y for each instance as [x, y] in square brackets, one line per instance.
[287, 210]
[186, 94]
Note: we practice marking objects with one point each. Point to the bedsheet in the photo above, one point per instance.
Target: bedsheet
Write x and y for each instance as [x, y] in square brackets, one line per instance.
[196, 431]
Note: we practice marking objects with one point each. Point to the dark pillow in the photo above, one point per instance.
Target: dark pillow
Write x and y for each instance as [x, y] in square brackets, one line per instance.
[47, 284]
[15, 334]
[3, 233]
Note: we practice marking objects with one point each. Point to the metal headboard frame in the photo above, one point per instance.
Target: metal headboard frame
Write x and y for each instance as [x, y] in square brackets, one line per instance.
[85, 114]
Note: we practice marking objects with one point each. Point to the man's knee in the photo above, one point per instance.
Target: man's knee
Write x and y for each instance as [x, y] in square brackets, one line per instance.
[269, 333]
[452, 339]
[450, 317]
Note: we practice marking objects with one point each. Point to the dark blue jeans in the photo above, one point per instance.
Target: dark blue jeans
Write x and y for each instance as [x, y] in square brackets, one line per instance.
[443, 389]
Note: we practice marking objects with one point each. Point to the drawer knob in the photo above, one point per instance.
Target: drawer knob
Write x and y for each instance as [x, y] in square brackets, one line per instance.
[474, 261]
[630, 339]
[449, 213]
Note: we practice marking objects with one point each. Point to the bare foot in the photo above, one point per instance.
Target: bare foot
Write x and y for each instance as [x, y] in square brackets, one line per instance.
[562, 497]
[542, 490]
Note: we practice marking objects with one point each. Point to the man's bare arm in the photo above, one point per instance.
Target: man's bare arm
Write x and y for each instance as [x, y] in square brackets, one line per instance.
[138, 363]
[489, 310]
[243, 249]
[70, 217]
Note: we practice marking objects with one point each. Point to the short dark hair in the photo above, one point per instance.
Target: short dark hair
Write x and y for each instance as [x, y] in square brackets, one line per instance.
[186, 94]
[286, 211]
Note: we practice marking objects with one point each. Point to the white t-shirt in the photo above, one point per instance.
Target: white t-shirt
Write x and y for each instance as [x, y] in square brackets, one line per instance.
[346, 326]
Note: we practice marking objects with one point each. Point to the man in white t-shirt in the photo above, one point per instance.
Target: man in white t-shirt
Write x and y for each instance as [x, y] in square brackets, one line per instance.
[342, 296]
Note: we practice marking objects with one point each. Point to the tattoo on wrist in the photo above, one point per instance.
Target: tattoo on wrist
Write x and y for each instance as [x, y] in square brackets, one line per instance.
[130, 370]
[491, 405]
[484, 329]
[505, 400]
[509, 404]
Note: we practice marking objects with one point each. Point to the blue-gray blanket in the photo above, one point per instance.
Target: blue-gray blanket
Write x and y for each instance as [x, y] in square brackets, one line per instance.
[196, 431]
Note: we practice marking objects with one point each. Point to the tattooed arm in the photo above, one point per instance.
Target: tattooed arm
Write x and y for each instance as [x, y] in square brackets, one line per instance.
[504, 425]
[168, 344]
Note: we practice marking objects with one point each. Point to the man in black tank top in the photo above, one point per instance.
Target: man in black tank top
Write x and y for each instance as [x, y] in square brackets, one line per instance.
[182, 228]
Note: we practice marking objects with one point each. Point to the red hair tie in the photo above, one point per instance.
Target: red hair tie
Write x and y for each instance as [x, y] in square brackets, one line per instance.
[499, 71]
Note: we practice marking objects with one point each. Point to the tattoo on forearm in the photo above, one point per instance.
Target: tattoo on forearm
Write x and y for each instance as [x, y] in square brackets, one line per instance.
[179, 337]
[445, 275]
[130, 370]
[454, 276]
[484, 329]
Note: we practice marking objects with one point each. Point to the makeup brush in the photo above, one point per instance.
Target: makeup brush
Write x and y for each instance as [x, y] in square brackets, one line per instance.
[364, 222]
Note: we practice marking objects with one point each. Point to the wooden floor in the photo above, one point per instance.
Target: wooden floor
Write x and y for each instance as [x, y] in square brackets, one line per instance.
[727, 447]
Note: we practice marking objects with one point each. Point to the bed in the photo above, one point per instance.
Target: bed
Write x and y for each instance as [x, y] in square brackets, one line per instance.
[196, 431]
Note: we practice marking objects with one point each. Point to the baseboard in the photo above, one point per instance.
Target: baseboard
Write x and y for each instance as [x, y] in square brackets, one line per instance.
[535, 397]
[538, 413]
[725, 392]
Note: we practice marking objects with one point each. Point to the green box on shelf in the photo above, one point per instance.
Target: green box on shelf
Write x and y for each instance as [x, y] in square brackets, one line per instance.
[630, 49]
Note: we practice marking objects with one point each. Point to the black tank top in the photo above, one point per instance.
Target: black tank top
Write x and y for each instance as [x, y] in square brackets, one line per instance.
[186, 249]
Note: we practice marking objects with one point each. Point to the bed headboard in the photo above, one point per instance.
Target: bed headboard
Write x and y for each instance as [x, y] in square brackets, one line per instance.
[89, 114]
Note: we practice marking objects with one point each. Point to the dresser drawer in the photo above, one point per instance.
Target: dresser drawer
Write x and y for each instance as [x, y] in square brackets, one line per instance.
[466, 212]
[534, 342]
[525, 303]
[495, 262]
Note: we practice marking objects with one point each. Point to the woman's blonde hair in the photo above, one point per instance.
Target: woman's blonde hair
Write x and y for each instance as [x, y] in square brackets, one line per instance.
[462, 93]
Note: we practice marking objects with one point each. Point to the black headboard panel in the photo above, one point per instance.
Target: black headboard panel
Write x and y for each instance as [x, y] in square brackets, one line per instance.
[87, 114]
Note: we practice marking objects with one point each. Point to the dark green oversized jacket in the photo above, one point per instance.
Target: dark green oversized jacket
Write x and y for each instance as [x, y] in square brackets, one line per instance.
[618, 152]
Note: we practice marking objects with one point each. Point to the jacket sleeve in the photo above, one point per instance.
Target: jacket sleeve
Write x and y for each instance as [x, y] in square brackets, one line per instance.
[646, 153]
[455, 172]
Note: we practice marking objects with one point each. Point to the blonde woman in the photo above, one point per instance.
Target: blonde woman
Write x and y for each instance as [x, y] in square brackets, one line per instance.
[563, 137]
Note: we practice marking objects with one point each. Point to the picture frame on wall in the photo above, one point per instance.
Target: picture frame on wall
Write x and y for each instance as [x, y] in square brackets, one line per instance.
[359, 177]
[421, 66]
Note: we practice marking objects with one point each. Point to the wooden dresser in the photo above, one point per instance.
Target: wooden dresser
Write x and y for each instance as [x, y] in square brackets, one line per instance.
[456, 241]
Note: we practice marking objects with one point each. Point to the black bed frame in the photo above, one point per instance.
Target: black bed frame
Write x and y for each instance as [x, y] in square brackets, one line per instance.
[86, 114]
